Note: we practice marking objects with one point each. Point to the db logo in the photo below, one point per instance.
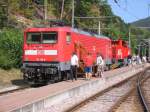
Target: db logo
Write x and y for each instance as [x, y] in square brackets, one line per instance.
[40, 52]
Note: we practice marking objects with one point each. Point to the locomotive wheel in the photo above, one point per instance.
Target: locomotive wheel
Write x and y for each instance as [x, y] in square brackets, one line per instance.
[63, 74]
[68, 74]
[59, 75]
[25, 77]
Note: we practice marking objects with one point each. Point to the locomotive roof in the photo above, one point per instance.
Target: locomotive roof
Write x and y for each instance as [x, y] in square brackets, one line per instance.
[65, 29]
[89, 34]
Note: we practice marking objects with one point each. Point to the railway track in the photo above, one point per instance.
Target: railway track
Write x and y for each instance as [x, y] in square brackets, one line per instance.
[105, 101]
[136, 101]
[144, 90]
[14, 90]
[130, 103]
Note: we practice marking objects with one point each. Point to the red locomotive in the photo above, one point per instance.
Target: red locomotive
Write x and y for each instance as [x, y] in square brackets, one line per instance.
[121, 51]
[47, 51]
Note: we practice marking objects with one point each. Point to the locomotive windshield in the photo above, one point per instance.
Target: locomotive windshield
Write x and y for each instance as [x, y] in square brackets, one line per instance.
[41, 37]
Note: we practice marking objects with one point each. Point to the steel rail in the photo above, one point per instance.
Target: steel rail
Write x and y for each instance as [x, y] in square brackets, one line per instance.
[141, 95]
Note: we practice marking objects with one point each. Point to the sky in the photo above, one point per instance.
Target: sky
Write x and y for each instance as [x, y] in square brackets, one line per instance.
[131, 10]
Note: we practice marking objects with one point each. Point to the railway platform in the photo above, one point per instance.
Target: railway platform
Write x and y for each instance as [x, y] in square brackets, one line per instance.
[61, 96]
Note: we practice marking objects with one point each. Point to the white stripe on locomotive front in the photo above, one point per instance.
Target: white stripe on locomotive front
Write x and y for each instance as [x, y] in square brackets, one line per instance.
[50, 52]
[40, 52]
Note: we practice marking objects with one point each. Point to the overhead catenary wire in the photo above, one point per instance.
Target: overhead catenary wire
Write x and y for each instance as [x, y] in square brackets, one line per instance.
[125, 9]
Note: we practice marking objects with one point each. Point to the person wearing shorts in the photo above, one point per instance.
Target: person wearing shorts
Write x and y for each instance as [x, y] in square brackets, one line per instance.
[88, 66]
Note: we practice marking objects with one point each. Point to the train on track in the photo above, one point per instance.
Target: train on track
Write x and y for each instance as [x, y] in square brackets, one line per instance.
[47, 51]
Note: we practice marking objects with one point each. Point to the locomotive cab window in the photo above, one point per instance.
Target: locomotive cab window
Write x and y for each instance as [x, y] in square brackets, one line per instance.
[68, 37]
[42, 38]
[49, 38]
[34, 38]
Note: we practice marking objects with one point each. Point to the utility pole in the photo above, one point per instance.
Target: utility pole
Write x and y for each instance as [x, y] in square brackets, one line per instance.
[129, 37]
[99, 27]
[139, 49]
[72, 13]
[62, 9]
[45, 9]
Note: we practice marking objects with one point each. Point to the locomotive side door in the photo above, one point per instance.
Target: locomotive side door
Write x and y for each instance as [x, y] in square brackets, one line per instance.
[67, 49]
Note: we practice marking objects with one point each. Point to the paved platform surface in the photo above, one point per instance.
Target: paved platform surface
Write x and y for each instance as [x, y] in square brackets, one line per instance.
[57, 92]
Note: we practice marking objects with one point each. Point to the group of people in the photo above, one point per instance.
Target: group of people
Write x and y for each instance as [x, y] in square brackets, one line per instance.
[88, 64]
[136, 59]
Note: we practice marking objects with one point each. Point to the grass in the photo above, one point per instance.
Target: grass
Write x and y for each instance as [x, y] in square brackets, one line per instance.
[6, 76]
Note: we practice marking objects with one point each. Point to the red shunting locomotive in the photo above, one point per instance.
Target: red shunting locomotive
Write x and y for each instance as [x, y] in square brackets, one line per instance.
[47, 51]
[120, 51]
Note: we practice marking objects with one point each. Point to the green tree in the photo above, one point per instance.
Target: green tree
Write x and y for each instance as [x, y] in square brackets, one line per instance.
[10, 48]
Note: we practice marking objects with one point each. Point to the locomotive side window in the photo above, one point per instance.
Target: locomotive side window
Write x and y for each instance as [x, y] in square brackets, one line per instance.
[34, 38]
[49, 38]
[68, 37]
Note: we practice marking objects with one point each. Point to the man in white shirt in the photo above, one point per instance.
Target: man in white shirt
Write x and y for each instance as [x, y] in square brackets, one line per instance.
[74, 64]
